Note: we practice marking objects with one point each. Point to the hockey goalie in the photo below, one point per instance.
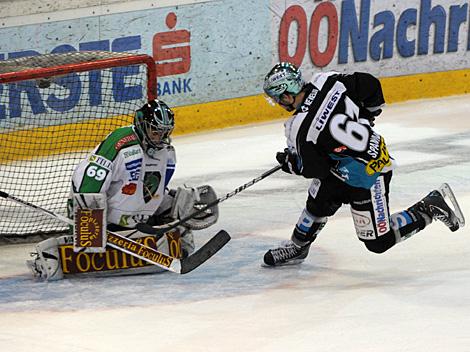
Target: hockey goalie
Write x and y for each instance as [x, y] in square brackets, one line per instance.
[124, 182]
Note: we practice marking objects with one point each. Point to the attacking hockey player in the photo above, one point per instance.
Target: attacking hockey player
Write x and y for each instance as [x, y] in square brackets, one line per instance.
[123, 182]
[331, 141]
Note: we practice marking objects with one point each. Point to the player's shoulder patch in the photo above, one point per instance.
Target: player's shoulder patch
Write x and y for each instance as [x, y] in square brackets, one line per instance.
[101, 161]
[117, 140]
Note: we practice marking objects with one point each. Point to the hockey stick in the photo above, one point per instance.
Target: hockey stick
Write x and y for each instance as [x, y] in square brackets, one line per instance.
[162, 229]
[141, 251]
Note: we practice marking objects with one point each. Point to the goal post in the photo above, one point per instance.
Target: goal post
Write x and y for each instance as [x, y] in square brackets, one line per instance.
[54, 109]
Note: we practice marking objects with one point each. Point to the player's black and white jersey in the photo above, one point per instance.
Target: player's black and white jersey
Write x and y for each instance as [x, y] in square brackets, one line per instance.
[330, 134]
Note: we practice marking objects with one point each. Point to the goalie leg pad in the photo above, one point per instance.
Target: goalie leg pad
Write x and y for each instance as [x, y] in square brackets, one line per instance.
[46, 265]
[178, 242]
[114, 262]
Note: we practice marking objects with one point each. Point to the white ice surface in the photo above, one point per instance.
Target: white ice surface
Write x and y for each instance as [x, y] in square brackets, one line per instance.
[414, 298]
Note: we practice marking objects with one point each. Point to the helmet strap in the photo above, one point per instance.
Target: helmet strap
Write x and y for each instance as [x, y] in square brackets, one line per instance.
[288, 107]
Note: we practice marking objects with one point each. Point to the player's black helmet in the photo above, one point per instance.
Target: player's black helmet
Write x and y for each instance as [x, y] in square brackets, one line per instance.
[284, 77]
[154, 123]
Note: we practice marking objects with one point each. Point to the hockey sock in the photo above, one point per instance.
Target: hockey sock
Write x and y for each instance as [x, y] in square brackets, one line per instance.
[408, 222]
[307, 228]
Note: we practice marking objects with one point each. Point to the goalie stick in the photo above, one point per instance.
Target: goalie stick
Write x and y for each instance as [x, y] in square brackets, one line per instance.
[141, 251]
[145, 228]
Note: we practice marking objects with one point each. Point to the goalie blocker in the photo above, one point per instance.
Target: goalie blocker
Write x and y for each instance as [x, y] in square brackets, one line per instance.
[89, 228]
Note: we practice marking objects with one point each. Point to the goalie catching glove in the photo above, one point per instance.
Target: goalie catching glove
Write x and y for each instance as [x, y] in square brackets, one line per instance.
[189, 200]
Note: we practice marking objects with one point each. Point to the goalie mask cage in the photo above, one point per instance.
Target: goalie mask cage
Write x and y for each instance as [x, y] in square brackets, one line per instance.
[54, 109]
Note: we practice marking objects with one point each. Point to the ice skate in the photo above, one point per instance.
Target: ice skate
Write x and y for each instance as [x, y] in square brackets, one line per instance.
[435, 206]
[286, 254]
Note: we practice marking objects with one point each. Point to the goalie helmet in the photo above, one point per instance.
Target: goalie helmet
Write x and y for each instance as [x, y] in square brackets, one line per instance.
[154, 123]
[284, 77]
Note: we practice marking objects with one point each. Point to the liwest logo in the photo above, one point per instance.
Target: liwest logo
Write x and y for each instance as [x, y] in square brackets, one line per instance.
[324, 112]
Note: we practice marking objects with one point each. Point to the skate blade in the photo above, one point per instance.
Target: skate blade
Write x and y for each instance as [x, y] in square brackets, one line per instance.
[447, 192]
[289, 263]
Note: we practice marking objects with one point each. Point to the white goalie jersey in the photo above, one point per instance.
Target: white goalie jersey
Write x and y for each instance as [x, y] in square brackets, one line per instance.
[133, 182]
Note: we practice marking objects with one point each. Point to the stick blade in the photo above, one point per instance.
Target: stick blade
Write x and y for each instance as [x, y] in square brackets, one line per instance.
[205, 252]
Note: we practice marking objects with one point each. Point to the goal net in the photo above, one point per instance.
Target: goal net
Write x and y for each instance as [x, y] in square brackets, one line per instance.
[54, 109]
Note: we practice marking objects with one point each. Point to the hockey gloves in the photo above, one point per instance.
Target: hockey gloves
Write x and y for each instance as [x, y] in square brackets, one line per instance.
[370, 113]
[290, 161]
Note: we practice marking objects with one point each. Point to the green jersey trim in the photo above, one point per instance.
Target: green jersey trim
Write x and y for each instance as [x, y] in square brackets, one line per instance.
[121, 138]
[98, 169]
